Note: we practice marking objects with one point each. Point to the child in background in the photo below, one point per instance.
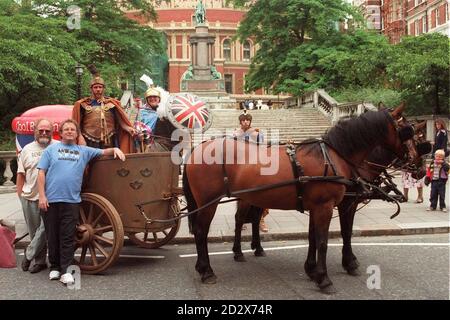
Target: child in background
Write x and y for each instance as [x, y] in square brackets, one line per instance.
[437, 174]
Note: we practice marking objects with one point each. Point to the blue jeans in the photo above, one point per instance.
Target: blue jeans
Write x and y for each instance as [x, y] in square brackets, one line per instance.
[437, 192]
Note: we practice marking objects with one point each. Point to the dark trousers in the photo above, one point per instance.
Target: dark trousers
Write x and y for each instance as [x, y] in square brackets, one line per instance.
[437, 191]
[60, 222]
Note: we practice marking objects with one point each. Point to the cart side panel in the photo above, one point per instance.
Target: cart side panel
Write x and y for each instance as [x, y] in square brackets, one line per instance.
[141, 178]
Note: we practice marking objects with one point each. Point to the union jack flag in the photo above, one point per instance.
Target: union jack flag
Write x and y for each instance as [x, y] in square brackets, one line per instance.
[187, 111]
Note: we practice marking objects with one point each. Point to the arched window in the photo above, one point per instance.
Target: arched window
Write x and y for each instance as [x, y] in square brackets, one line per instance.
[227, 49]
[247, 51]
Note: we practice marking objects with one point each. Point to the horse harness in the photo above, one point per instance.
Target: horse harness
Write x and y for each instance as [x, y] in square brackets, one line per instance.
[298, 172]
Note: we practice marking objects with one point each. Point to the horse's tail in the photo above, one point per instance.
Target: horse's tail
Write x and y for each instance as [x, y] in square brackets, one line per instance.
[191, 204]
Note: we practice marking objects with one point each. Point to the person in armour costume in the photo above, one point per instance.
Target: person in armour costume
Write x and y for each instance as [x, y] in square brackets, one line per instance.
[102, 120]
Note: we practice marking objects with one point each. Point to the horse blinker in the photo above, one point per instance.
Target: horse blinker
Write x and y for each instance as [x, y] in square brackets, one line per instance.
[406, 133]
[424, 148]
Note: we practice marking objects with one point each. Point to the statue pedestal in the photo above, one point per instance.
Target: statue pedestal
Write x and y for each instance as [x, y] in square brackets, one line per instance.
[204, 87]
[203, 79]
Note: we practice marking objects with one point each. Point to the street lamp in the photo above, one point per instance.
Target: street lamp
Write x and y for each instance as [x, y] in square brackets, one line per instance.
[79, 73]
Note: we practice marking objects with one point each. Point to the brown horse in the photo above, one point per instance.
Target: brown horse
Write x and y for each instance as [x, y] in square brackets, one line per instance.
[334, 161]
[371, 170]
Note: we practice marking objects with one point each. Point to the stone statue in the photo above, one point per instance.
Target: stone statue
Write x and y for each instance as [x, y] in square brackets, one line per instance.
[215, 74]
[188, 74]
[200, 13]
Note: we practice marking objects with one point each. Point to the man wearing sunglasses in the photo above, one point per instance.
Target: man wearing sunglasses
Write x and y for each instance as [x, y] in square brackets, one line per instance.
[27, 190]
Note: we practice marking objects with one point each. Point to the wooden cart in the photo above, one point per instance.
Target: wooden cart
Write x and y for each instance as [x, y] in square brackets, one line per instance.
[111, 191]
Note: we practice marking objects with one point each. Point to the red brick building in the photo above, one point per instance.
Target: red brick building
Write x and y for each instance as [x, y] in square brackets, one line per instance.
[414, 17]
[425, 16]
[393, 14]
[231, 58]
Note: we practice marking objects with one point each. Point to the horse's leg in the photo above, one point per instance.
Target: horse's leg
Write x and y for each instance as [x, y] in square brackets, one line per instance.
[322, 217]
[256, 214]
[201, 226]
[239, 218]
[311, 263]
[347, 210]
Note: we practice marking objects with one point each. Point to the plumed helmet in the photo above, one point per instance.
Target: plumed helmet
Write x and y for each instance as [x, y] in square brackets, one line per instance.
[96, 79]
[245, 116]
[152, 92]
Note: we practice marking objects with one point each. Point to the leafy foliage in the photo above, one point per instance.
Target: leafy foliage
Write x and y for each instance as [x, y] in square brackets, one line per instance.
[289, 35]
[388, 97]
[300, 49]
[420, 70]
[38, 52]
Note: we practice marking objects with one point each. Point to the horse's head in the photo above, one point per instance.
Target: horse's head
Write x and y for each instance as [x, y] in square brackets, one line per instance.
[401, 137]
[423, 147]
[420, 132]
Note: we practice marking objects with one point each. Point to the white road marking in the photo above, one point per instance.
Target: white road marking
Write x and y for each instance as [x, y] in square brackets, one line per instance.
[431, 244]
[122, 256]
[139, 257]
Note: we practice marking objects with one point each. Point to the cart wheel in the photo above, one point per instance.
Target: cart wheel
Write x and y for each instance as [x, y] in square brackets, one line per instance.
[153, 240]
[99, 234]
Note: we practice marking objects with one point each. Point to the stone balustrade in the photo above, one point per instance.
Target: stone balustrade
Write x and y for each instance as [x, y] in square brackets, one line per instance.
[335, 110]
[8, 156]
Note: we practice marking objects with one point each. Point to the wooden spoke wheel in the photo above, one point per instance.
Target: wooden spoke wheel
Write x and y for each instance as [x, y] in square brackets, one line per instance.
[155, 239]
[99, 236]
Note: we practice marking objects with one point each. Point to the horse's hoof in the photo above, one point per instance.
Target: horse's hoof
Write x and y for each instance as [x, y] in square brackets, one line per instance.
[326, 286]
[209, 279]
[329, 289]
[240, 258]
[351, 267]
[261, 253]
[354, 272]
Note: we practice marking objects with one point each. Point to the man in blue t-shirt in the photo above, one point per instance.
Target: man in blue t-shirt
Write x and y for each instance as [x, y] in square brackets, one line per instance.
[60, 177]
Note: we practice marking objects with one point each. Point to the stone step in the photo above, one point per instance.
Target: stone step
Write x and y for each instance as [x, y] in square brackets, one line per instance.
[289, 124]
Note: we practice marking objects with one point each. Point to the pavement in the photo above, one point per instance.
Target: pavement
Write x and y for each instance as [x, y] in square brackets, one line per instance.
[372, 220]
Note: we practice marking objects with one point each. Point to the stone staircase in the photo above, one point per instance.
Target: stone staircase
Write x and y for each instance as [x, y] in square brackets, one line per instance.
[277, 125]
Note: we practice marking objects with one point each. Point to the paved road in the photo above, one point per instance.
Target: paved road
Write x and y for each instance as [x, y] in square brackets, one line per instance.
[411, 267]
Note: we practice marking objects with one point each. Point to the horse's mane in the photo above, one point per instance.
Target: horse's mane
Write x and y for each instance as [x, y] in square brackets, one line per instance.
[355, 134]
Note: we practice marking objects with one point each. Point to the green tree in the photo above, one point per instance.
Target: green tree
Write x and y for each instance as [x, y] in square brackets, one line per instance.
[124, 47]
[290, 35]
[420, 70]
[38, 52]
[36, 58]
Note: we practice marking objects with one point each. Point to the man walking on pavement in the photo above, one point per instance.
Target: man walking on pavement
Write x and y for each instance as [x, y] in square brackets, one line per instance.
[27, 190]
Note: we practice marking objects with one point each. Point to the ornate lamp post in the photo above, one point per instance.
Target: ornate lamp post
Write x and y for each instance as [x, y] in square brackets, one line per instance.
[79, 73]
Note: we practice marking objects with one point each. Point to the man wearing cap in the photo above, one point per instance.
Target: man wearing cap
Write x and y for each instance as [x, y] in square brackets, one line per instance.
[102, 121]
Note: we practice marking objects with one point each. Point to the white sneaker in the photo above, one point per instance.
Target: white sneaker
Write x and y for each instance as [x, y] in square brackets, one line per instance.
[67, 278]
[54, 275]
